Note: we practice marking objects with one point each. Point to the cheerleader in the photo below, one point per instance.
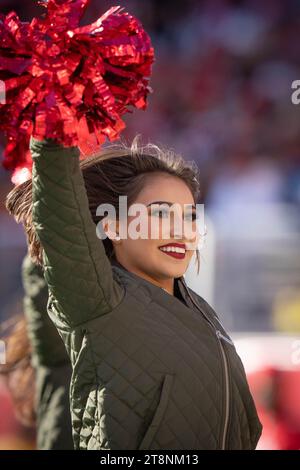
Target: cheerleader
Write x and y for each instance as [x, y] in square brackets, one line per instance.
[152, 366]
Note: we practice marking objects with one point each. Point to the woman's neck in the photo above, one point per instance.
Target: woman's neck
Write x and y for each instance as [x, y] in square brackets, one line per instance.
[166, 284]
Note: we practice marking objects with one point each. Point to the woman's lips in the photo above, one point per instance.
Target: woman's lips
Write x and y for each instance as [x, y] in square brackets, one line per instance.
[179, 247]
[174, 254]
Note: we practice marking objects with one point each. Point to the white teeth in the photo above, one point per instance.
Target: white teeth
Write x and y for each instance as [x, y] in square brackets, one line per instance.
[173, 248]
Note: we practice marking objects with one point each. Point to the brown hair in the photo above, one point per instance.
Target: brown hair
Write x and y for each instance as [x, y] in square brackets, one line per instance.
[17, 371]
[117, 170]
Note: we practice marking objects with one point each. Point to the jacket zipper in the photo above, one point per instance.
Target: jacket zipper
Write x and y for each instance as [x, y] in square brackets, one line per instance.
[220, 336]
[227, 399]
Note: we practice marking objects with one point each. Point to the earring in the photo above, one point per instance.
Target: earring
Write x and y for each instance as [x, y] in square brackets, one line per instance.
[117, 237]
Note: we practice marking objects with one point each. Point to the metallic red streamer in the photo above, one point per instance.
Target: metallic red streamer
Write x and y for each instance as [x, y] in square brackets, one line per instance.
[69, 82]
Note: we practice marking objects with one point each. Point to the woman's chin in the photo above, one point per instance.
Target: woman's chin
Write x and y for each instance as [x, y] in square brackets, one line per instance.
[172, 271]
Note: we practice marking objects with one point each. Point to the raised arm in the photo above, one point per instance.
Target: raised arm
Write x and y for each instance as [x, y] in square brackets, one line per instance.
[76, 268]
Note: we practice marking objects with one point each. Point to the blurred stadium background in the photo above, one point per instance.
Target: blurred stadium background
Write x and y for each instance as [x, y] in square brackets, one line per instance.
[222, 96]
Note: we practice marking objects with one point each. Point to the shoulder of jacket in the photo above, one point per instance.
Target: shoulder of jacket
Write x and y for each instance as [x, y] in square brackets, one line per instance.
[209, 310]
[205, 305]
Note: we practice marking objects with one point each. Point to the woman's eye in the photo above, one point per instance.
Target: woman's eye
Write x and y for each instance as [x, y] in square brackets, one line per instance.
[192, 216]
[160, 212]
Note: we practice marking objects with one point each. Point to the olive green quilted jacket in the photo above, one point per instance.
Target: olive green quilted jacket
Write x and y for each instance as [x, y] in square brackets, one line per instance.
[150, 370]
[50, 361]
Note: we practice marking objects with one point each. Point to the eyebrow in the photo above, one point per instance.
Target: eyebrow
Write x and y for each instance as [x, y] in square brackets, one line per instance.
[167, 202]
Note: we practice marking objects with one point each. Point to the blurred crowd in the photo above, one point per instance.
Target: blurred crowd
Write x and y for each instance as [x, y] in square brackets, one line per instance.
[222, 97]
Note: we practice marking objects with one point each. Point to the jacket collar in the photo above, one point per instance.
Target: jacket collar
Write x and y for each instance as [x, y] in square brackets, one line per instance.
[179, 280]
[163, 297]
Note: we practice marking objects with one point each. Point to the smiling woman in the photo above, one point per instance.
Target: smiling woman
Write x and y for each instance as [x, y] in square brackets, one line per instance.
[144, 256]
[153, 368]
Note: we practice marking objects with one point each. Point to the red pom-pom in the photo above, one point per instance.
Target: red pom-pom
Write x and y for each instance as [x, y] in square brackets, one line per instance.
[68, 82]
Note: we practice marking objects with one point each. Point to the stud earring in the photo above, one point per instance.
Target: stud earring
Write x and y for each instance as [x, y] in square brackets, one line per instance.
[117, 237]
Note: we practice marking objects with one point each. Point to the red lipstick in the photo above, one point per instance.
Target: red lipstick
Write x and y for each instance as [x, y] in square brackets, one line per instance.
[179, 254]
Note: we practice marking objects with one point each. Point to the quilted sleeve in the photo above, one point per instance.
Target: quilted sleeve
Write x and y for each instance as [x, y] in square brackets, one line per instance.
[78, 272]
[48, 348]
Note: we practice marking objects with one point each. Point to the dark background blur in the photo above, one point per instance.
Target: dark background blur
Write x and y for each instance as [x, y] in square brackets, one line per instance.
[222, 97]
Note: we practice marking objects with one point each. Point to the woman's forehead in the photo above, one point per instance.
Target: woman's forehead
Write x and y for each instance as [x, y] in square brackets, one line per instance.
[165, 188]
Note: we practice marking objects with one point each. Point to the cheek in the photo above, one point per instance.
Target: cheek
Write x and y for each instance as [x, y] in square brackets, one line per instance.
[163, 229]
[141, 248]
[190, 254]
[154, 228]
[149, 227]
[190, 229]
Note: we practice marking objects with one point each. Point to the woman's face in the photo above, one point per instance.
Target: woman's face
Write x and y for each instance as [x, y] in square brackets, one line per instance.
[145, 255]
